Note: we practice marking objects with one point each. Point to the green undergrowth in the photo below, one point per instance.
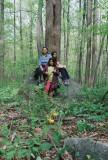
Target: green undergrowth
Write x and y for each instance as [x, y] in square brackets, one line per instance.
[94, 94]
[19, 135]
[88, 110]
[90, 106]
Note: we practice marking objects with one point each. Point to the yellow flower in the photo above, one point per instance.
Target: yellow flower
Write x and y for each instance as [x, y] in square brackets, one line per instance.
[51, 121]
[54, 114]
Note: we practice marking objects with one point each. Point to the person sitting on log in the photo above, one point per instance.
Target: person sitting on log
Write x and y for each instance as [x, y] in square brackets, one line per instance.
[43, 60]
[62, 69]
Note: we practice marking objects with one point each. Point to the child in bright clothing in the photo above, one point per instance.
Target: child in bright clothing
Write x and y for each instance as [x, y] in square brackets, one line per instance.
[52, 78]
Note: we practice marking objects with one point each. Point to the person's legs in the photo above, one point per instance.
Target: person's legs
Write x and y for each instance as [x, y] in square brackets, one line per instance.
[47, 86]
[64, 74]
[51, 94]
[44, 77]
[37, 73]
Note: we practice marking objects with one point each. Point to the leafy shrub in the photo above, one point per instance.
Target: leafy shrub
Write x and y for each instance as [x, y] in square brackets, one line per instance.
[83, 126]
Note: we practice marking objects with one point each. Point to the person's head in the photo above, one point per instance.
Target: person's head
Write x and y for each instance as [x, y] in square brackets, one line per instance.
[54, 54]
[50, 62]
[54, 57]
[44, 50]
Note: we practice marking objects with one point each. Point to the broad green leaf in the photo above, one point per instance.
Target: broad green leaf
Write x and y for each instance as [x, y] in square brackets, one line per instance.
[45, 146]
[10, 155]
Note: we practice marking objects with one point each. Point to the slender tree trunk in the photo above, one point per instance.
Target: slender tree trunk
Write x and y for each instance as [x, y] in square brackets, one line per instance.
[88, 57]
[103, 68]
[107, 63]
[79, 57]
[31, 35]
[1, 39]
[94, 42]
[53, 25]
[82, 40]
[39, 28]
[107, 45]
[98, 61]
[21, 36]
[68, 32]
[107, 54]
[64, 31]
[21, 42]
[14, 32]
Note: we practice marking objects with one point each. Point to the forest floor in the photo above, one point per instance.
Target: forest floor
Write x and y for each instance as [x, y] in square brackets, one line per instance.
[34, 126]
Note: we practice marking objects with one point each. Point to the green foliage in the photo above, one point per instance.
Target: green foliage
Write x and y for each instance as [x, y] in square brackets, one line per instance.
[35, 107]
[35, 111]
[103, 28]
[61, 151]
[57, 137]
[89, 110]
[93, 94]
[83, 126]
[5, 131]
[45, 146]
[8, 93]
[89, 157]
[89, 107]
[8, 5]
[22, 68]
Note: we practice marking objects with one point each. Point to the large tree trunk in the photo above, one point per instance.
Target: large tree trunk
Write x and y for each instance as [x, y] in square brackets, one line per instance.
[53, 25]
[88, 57]
[1, 39]
[39, 28]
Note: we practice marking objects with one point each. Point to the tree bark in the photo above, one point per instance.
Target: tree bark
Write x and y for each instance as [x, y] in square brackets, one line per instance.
[107, 54]
[68, 32]
[98, 61]
[94, 42]
[82, 41]
[88, 56]
[1, 39]
[64, 32]
[39, 28]
[79, 56]
[14, 32]
[31, 34]
[53, 25]
[21, 36]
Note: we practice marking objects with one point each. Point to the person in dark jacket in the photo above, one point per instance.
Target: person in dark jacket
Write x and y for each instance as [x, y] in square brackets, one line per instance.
[62, 69]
